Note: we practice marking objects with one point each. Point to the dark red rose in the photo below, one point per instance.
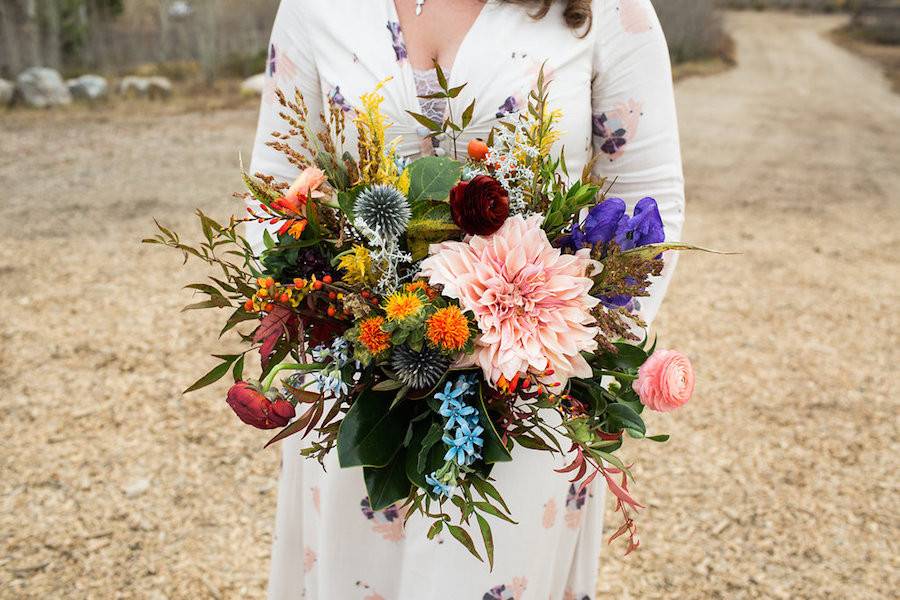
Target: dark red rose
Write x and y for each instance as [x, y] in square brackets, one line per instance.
[479, 206]
[253, 408]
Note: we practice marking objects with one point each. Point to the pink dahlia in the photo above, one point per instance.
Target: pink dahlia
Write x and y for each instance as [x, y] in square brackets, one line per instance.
[531, 302]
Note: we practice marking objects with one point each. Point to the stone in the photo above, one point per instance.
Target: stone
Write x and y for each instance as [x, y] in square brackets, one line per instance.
[91, 88]
[40, 87]
[253, 86]
[7, 91]
[155, 88]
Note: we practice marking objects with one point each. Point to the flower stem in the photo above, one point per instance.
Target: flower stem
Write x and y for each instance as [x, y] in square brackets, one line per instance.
[270, 378]
[619, 375]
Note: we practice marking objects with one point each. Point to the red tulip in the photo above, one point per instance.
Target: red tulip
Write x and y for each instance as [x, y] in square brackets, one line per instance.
[253, 408]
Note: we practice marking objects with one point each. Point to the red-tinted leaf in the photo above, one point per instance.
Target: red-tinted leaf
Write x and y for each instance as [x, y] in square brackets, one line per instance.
[280, 320]
[620, 493]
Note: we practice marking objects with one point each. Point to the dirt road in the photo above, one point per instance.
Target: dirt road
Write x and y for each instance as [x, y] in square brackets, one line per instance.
[781, 478]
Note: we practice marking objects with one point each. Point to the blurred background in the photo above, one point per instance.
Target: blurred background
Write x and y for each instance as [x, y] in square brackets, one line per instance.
[780, 480]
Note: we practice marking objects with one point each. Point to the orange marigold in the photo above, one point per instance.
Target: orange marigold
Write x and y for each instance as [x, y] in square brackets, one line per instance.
[448, 328]
[401, 305]
[373, 337]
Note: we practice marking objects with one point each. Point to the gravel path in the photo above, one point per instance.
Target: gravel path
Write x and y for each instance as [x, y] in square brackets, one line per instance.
[780, 480]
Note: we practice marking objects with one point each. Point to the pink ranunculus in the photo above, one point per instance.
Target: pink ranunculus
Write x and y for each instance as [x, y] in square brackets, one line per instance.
[666, 381]
[253, 408]
[531, 302]
[309, 181]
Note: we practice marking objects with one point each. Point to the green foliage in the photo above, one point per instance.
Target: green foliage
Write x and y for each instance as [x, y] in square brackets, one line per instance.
[371, 432]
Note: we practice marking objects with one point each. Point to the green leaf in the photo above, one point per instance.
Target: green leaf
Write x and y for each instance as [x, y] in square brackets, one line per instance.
[487, 489]
[464, 538]
[659, 438]
[238, 371]
[425, 121]
[494, 450]
[213, 376]
[467, 114]
[623, 417]
[431, 178]
[492, 510]
[435, 226]
[371, 433]
[435, 529]
[424, 455]
[387, 484]
[488, 539]
[268, 241]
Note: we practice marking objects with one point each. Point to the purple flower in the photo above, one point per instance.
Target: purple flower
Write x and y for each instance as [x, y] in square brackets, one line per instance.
[603, 220]
[644, 228]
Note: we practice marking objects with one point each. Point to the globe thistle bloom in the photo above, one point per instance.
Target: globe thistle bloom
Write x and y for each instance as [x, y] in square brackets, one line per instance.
[419, 370]
[384, 209]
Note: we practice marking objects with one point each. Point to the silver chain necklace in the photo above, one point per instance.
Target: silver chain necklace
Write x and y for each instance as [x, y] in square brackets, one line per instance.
[420, 4]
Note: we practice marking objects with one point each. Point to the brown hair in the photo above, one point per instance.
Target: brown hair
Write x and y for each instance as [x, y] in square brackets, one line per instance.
[577, 12]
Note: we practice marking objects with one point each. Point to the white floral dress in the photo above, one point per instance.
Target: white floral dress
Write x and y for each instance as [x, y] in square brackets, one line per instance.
[614, 88]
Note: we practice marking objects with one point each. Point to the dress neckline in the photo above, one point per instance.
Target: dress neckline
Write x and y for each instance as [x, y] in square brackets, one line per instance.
[454, 65]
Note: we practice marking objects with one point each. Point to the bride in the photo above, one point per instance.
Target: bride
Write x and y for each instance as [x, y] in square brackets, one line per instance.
[610, 76]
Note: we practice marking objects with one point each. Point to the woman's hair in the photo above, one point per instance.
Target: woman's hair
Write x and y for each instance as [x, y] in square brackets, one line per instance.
[577, 12]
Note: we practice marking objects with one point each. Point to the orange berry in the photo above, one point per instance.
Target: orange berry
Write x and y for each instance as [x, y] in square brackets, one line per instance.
[284, 298]
[332, 296]
[300, 283]
[331, 311]
[248, 306]
[365, 293]
[261, 282]
[270, 306]
[478, 150]
[317, 285]
[269, 282]
[327, 279]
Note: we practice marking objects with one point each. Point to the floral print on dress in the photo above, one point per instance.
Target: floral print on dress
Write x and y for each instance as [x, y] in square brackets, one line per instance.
[388, 522]
[575, 502]
[570, 595]
[614, 129]
[316, 498]
[370, 594]
[397, 41]
[634, 16]
[550, 509]
[510, 591]
[509, 106]
[281, 72]
[309, 559]
[336, 98]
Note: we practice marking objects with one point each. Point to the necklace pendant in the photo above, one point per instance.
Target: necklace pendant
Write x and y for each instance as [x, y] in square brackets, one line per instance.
[419, 5]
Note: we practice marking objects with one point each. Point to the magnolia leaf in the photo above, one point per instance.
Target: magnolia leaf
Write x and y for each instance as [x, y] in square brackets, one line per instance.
[494, 449]
[387, 484]
[370, 434]
[622, 416]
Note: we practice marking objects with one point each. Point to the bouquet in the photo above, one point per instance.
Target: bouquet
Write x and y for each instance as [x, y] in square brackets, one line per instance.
[425, 318]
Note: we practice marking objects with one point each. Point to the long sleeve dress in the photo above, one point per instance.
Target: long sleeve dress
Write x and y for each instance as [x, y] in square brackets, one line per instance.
[615, 90]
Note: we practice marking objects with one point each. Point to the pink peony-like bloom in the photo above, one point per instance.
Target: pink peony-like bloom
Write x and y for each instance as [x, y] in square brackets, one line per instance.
[666, 381]
[531, 302]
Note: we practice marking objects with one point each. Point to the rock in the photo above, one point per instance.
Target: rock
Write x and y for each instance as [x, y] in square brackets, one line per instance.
[7, 90]
[145, 87]
[159, 88]
[137, 488]
[88, 87]
[40, 87]
[253, 86]
[134, 87]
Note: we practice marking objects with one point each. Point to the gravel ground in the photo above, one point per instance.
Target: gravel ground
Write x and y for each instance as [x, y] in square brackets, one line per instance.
[781, 478]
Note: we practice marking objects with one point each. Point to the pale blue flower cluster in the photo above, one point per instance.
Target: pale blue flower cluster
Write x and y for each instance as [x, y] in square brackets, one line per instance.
[332, 380]
[462, 433]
